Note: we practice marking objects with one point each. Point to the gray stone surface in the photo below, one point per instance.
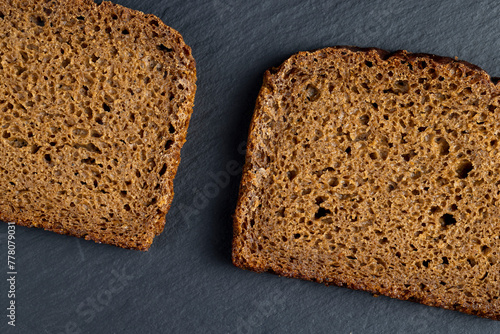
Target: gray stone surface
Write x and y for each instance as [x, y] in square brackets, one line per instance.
[186, 282]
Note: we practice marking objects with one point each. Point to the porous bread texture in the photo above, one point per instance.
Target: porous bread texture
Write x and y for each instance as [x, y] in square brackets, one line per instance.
[95, 102]
[378, 172]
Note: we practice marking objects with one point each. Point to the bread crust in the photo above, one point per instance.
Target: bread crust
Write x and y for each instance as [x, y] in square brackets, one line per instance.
[249, 185]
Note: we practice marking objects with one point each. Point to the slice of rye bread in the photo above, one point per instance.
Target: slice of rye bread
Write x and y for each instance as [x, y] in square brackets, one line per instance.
[376, 171]
[95, 101]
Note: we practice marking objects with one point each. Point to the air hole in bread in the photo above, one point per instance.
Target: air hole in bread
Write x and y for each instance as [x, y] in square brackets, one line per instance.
[89, 161]
[464, 168]
[163, 170]
[444, 146]
[407, 157]
[95, 134]
[312, 93]
[163, 48]
[364, 119]
[391, 186]
[472, 262]
[18, 142]
[485, 250]
[322, 212]
[291, 174]
[80, 132]
[91, 147]
[168, 144]
[35, 148]
[38, 20]
[447, 219]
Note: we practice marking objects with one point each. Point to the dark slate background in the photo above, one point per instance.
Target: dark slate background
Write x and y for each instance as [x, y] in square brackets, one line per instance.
[186, 282]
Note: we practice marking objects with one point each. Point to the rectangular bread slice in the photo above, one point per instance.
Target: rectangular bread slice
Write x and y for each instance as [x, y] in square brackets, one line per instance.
[378, 172]
[95, 102]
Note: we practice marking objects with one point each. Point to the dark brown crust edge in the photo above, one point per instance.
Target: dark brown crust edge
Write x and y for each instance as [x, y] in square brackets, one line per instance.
[247, 181]
[157, 222]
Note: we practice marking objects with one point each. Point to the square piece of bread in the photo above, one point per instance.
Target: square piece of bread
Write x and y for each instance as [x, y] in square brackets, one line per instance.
[95, 102]
[378, 172]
